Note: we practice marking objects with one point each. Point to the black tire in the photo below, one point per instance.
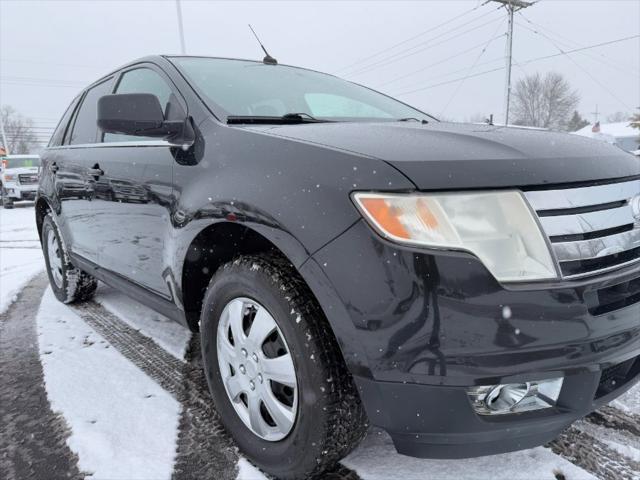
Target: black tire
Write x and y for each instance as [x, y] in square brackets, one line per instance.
[6, 201]
[330, 420]
[76, 285]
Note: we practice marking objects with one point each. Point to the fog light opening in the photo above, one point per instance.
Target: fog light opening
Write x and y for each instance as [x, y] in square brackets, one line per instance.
[506, 397]
[513, 398]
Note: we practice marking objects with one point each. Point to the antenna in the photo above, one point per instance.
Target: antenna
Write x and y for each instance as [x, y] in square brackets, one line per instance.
[268, 59]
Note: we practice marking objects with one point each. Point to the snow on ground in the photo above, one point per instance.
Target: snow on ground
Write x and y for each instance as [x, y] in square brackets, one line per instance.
[629, 402]
[376, 459]
[625, 443]
[20, 254]
[165, 332]
[246, 471]
[123, 424]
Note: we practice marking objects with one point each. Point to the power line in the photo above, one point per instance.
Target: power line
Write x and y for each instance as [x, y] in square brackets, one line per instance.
[26, 84]
[451, 57]
[55, 64]
[562, 52]
[586, 54]
[471, 69]
[573, 44]
[526, 62]
[13, 78]
[404, 42]
[453, 72]
[395, 58]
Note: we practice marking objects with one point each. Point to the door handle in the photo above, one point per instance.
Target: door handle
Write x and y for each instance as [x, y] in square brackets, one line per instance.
[96, 172]
[53, 168]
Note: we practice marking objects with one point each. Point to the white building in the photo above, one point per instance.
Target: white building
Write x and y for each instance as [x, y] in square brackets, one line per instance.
[619, 133]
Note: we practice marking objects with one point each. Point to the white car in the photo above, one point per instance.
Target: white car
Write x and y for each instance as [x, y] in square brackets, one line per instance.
[19, 178]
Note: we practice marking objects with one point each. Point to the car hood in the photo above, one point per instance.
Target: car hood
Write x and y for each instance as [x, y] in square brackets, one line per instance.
[442, 155]
[20, 170]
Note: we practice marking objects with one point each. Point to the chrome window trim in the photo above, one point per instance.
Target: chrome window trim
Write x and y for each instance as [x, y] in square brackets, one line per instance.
[148, 143]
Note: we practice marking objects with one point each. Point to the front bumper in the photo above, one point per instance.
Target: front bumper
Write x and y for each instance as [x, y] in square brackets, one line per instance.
[417, 329]
[19, 192]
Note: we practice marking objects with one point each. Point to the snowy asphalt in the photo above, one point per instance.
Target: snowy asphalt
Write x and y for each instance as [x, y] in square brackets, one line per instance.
[42, 452]
[44, 346]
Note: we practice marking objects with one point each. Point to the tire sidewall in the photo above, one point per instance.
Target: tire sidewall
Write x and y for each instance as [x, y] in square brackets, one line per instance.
[49, 228]
[305, 440]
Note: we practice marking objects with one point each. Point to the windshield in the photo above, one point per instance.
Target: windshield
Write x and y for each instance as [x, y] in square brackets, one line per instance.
[243, 88]
[9, 162]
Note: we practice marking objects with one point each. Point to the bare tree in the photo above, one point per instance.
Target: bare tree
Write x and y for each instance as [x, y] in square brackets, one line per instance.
[544, 101]
[619, 117]
[21, 137]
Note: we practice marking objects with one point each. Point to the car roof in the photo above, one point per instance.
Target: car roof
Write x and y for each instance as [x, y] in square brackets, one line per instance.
[166, 58]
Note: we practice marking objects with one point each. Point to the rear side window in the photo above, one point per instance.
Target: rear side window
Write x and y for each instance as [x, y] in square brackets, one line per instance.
[58, 135]
[141, 80]
[85, 127]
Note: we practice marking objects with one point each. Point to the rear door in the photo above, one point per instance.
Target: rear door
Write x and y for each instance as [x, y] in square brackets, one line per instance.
[68, 164]
[133, 193]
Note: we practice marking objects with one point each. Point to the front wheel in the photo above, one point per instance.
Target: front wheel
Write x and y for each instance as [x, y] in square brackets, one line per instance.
[69, 284]
[275, 371]
[7, 201]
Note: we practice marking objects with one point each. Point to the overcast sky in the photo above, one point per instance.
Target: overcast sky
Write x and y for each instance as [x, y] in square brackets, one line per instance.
[50, 49]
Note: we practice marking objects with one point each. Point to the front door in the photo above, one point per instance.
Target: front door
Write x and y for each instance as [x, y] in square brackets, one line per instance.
[68, 164]
[132, 184]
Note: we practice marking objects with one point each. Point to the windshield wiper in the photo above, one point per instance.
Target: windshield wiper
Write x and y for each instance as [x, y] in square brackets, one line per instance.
[286, 119]
[413, 119]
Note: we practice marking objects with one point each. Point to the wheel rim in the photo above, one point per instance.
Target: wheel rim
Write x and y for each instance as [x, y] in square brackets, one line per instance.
[55, 259]
[257, 369]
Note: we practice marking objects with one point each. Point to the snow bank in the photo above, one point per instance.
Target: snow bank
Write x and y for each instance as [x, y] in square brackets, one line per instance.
[123, 424]
[20, 254]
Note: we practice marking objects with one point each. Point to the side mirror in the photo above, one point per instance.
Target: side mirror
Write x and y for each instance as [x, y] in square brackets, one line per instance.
[138, 114]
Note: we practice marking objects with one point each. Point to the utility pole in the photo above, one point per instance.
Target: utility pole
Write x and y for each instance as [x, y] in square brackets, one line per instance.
[596, 114]
[512, 6]
[183, 48]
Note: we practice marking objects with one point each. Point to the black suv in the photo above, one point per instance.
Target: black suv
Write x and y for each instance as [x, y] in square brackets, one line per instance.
[348, 259]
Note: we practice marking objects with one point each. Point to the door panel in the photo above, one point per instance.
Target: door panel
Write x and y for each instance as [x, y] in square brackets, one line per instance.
[131, 201]
[76, 218]
[135, 193]
[71, 181]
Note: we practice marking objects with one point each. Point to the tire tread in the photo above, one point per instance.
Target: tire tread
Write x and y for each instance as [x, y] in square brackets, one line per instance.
[346, 419]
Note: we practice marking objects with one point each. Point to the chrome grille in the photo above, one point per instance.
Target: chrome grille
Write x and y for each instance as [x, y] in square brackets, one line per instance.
[591, 229]
[28, 178]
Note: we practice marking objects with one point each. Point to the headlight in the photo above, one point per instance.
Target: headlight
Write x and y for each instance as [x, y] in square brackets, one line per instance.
[9, 177]
[497, 227]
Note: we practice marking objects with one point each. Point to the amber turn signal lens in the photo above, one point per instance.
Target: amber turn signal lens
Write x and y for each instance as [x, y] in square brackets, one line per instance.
[386, 216]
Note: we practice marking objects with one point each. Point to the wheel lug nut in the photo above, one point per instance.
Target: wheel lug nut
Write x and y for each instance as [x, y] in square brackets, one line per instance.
[242, 369]
[255, 357]
[260, 377]
[252, 385]
[244, 352]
